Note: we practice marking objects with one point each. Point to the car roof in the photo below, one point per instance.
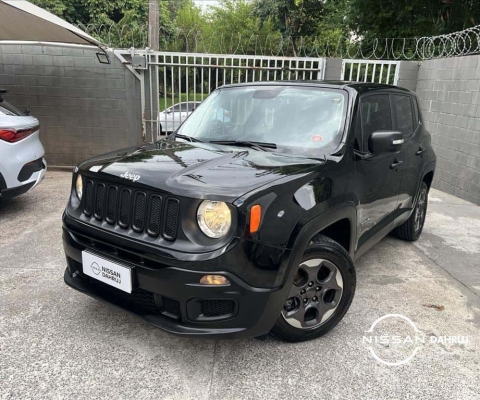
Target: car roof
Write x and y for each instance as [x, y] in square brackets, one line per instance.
[359, 87]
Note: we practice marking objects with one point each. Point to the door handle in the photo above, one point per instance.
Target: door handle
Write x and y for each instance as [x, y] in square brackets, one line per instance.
[396, 164]
[420, 151]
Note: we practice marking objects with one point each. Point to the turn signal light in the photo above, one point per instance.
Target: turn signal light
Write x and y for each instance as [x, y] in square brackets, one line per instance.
[214, 280]
[255, 218]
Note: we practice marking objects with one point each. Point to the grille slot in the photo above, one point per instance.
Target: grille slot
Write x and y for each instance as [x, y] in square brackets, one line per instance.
[125, 200]
[154, 214]
[217, 308]
[139, 211]
[88, 198]
[111, 204]
[99, 201]
[170, 219]
[143, 211]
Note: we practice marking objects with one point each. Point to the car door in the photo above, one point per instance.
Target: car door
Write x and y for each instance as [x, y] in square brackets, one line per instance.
[378, 176]
[407, 121]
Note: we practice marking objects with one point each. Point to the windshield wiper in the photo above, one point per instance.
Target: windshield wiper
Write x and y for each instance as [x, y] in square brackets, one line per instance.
[254, 145]
[189, 138]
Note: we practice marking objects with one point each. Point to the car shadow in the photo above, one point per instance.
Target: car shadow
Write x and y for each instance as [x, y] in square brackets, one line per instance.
[17, 204]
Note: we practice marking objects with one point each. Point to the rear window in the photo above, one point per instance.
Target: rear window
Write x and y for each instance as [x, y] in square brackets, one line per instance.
[8, 109]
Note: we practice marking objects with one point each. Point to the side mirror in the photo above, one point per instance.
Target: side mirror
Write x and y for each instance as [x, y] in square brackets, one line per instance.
[385, 142]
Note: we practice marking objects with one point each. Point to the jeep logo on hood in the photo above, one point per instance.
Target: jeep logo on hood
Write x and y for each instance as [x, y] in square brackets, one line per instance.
[132, 177]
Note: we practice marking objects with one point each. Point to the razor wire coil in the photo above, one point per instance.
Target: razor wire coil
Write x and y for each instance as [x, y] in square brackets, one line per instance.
[461, 43]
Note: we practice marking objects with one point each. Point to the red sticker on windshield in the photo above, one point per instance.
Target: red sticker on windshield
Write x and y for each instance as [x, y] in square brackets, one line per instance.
[317, 138]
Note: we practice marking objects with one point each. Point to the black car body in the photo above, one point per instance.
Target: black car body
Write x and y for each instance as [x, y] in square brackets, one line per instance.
[139, 208]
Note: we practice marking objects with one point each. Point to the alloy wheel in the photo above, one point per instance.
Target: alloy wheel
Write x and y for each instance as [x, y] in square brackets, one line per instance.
[315, 295]
[420, 210]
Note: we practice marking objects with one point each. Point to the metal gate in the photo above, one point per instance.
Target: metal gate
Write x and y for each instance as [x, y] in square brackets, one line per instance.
[173, 84]
[377, 71]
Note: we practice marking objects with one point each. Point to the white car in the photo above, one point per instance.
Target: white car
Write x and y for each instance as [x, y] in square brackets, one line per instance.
[172, 117]
[22, 166]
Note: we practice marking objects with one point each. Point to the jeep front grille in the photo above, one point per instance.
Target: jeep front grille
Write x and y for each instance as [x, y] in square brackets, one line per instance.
[140, 210]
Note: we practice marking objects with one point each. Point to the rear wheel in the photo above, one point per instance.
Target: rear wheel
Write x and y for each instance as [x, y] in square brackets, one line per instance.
[412, 228]
[321, 293]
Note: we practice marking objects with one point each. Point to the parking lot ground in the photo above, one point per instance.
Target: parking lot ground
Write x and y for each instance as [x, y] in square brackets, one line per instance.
[57, 343]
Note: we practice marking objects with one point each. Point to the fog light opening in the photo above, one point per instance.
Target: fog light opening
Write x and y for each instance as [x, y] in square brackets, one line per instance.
[214, 280]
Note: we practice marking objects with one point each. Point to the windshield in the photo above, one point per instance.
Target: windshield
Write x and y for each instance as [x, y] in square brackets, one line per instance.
[297, 119]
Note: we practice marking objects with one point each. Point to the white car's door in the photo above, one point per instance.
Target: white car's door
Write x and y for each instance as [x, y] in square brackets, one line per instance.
[182, 114]
[172, 117]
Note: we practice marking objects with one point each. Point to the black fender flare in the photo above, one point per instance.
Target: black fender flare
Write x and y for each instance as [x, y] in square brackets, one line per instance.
[430, 167]
[298, 243]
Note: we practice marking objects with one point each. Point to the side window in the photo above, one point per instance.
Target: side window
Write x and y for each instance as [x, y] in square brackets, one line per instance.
[416, 114]
[402, 108]
[191, 106]
[177, 107]
[376, 115]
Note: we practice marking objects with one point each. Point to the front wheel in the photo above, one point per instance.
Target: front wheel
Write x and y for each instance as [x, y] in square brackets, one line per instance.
[321, 293]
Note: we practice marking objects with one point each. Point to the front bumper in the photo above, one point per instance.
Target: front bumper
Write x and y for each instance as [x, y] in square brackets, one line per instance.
[170, 296]
[35, 178]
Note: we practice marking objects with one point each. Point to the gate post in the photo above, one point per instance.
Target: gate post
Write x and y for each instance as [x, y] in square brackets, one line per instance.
[151, 96]
[333, 69]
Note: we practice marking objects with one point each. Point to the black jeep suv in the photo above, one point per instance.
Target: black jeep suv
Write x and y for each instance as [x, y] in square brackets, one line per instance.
[248, 218]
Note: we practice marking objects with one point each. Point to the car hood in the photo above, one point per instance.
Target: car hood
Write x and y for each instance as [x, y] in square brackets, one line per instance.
[198, 170]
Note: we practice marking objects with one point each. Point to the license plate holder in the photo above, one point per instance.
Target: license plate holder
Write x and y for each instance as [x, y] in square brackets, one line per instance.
[107, 271]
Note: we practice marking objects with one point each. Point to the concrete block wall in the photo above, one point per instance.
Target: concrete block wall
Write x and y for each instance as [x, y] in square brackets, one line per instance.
[449, 93]
[85, 108]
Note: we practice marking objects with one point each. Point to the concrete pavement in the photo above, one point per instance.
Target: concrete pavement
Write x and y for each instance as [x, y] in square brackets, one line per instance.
[56, 343]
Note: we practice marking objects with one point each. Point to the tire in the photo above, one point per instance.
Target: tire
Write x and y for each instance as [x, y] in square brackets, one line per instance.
[329, 267]
[412, 228]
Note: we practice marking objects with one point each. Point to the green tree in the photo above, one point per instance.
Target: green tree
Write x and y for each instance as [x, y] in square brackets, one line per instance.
[121, 23]
[190, 24]
[332, 30]
[411, 18]
[233, 27]
[293, 18]
[71, 10]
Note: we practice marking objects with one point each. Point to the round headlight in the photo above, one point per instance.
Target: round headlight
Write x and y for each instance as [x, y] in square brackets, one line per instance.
[214, 218]
[79, 187]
